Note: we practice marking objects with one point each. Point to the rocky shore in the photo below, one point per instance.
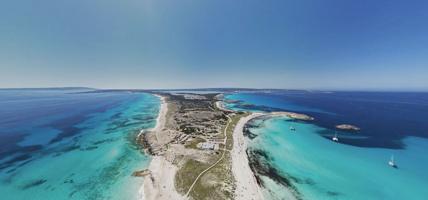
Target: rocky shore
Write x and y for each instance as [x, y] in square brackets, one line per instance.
[348, 127]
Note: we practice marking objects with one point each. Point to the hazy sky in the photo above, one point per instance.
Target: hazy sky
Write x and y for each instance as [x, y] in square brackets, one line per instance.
[313, 44]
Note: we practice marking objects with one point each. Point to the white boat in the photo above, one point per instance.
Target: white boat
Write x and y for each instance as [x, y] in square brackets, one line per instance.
[335, 138]
[391, 162]
[292, 128]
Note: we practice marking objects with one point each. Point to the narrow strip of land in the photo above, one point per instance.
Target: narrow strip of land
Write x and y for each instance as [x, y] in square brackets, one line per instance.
[199, 150]
[245, 181]
[189, 151]
[213, 165]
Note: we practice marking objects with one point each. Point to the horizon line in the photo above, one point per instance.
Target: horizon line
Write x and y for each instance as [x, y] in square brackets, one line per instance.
[224, 88]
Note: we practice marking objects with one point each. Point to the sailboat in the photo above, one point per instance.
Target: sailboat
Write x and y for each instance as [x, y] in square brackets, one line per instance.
[335, 138]
[391, 162]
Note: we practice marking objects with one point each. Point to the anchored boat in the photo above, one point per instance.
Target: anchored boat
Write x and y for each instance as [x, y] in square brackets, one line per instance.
[335, 138]
[391, 162]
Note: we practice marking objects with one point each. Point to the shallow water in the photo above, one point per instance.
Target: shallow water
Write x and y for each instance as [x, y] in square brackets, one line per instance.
[68, 145]
[318, 168]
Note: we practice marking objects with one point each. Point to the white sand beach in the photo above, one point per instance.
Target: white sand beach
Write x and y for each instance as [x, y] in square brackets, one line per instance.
[220, 105]
[160, 121]
[246, 184]
[159, 184]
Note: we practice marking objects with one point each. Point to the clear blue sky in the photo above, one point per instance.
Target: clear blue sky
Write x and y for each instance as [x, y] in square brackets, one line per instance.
[312, 44]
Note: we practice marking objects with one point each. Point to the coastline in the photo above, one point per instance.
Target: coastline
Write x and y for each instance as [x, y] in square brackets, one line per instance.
[220, 105]
[160, 120]
[246, 183]
[159, 184]
[247, 186]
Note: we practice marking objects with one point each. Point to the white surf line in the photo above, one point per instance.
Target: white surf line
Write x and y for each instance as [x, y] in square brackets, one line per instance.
[139, 134]
[222, 155]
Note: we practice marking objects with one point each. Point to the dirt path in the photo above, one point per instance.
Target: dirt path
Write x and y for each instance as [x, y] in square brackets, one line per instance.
[213, 165]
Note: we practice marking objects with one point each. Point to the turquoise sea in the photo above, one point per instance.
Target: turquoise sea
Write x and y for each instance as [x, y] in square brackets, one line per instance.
[72, 144]
[314, 167]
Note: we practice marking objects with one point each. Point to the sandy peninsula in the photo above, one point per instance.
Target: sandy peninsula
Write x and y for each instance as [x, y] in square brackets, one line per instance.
[198, 151]
[246, 183]
[245, 178]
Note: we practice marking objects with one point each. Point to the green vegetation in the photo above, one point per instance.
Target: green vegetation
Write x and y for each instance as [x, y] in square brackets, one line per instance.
[231, 127]
[217, 183]
[193, 144]
[188, 173]
[203, 121]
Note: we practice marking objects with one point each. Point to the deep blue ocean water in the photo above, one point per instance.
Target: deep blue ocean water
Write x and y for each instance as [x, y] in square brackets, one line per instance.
[315, 167]
[70, 144]
[385, 118]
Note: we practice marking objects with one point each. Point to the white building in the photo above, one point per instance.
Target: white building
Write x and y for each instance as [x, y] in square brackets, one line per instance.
[208, 146]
